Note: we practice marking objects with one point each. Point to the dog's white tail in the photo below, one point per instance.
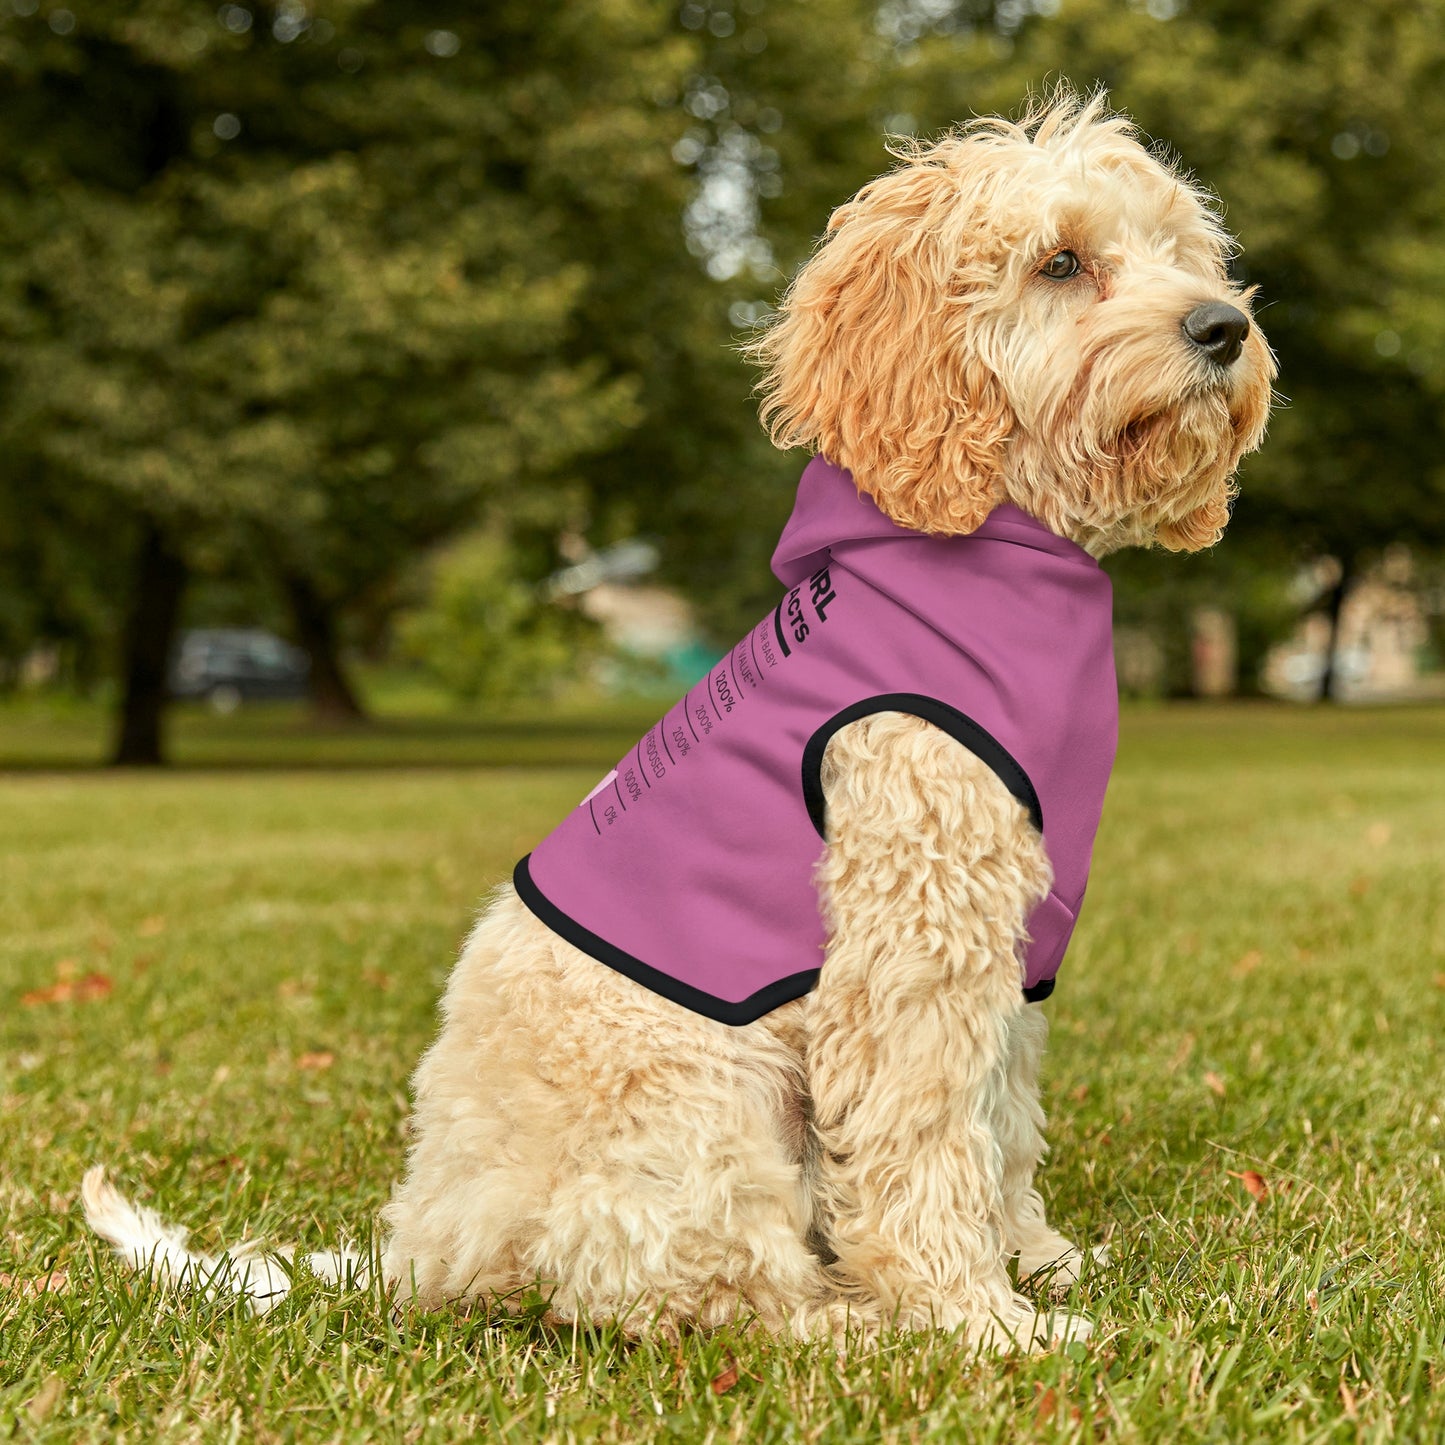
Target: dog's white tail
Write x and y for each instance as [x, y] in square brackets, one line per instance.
[147, 1243]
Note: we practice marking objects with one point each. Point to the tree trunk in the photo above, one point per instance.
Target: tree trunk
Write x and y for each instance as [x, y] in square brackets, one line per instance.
[150, 630]
[333, 699]
[1329, 679]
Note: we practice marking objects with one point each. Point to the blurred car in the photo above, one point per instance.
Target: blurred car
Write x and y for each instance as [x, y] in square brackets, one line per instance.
[227, 666]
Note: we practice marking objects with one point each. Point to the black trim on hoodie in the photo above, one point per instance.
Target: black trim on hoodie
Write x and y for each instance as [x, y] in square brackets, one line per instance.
[957, 725]
[745, 1011]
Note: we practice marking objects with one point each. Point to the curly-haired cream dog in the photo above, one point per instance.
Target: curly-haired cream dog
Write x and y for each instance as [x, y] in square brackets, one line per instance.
[1018, 350]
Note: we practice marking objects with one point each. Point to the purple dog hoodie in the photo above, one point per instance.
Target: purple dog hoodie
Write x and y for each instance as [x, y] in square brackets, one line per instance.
[690, 867]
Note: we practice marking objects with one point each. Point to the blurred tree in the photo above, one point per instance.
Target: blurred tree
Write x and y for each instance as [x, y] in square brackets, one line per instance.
[779, 117]
[307, 282]
[486, 633]
[59, 574]
[324, 284]
[321, 284]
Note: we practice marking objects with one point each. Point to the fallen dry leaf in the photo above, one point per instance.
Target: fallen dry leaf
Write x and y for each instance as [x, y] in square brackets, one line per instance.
[1046, 1408]
[1359, 887]
[320, 1059]
[1248, 963]
[82, 990]
[377, 978]
[151, 927]
[1254, 1183]
[1080, 1094]
[1440, 980]
[1214, 1083]
[45, 1399]
[56, 1282]
[56, 993]
[724, 1382]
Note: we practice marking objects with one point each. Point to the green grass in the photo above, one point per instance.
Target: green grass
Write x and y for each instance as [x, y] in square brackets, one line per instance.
[1256, 985]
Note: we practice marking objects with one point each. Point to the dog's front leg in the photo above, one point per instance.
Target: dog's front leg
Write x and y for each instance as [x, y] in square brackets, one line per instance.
[1042, 1251]
[929, 875]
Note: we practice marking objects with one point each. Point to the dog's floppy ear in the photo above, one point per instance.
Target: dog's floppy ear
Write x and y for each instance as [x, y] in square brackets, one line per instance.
[872, 359]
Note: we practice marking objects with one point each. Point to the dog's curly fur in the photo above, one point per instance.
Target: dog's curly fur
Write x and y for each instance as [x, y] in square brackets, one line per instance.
[865, 1155]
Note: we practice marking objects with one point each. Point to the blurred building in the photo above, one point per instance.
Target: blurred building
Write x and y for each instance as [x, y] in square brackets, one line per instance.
[653, 631]
[1382, 651]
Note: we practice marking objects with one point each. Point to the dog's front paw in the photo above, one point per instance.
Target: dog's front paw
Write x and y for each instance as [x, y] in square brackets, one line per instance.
[1057, 1266]
[1023, 1326]
[1060, 1327]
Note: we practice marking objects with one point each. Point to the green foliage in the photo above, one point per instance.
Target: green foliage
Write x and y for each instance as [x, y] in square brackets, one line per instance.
[1160, 594]
[777, 120]
[61, 567]
[315, 287]
[310, 286]
[485, 633]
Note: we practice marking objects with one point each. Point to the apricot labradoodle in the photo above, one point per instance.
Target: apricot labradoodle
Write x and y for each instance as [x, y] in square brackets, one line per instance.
[755, 1033]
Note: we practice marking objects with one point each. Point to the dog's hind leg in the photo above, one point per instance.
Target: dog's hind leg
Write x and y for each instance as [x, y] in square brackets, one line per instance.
[680, 1200]
[577, 1135]
[930, 872]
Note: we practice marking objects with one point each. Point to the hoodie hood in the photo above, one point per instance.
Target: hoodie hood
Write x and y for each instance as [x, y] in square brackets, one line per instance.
[830, 512]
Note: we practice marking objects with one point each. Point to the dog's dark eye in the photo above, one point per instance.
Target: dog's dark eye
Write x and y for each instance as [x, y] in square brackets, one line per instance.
[1060, 266]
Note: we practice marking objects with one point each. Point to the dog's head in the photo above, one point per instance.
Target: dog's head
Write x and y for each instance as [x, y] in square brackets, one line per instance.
[1035, 312]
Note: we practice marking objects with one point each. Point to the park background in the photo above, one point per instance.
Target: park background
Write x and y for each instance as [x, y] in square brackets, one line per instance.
[408, 333]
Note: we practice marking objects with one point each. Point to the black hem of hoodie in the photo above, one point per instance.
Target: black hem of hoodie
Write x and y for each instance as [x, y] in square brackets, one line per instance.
[735, 1015]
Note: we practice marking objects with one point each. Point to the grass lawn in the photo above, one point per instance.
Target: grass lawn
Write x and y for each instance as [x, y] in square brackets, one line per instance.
[216, 980]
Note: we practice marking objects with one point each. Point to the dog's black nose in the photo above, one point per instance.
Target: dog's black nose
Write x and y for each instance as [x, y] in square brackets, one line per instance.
[1218, 331]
